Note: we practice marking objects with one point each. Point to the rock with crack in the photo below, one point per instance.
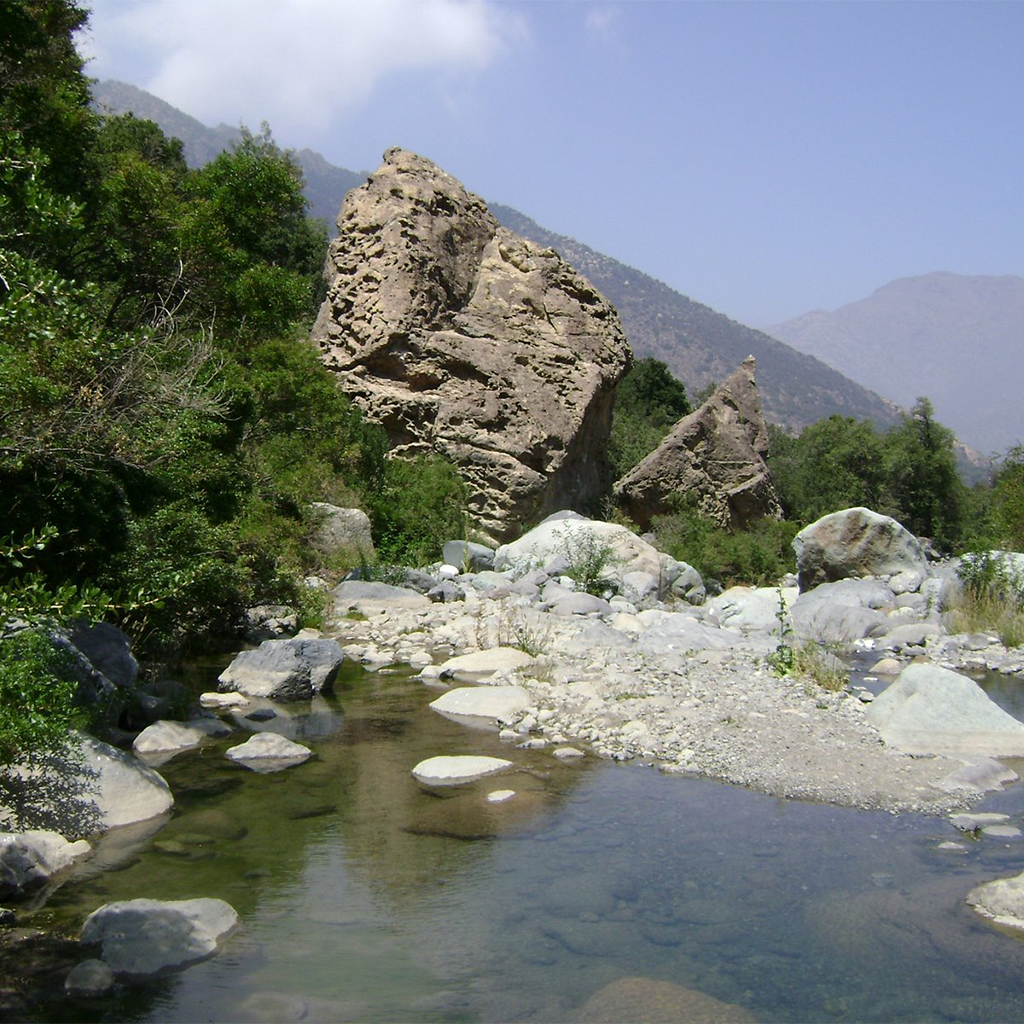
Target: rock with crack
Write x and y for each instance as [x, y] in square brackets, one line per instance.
[463, 339]
[716, 454]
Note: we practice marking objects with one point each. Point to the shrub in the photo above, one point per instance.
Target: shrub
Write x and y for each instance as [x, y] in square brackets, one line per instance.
[991, 598]
[37, 692]
[589, 558]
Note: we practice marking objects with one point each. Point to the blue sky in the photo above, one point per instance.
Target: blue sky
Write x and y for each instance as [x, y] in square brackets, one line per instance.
[763, 158]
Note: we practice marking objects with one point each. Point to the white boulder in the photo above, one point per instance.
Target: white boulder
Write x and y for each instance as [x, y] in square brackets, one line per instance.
[269, 751]
[458, 769]
[147, 937]
[28, 860]
[931, 710]
[493, 703]
[481, 664]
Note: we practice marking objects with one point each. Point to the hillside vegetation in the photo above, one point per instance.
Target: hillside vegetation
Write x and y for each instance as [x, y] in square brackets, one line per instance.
[164, 421]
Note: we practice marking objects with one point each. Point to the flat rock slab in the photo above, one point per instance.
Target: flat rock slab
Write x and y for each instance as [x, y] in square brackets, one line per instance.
[481, 664]
[147, 937]
[458, 769]
[494, 703]
[1000, 901]
[971, 822]
[372, 598]
[217, 701]
[284, 669]
[169, 737]
[931, 710]
[269, 751]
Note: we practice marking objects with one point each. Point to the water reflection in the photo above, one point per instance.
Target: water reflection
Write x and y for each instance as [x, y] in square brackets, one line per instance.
[367, 897]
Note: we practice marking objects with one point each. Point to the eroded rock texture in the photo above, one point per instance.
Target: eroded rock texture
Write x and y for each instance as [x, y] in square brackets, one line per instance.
[461, 338]
[717, 453]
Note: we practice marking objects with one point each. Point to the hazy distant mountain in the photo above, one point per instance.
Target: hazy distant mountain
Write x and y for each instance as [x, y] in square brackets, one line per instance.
[958, 340]
[326, 184]
[701, 346]
[698, 344]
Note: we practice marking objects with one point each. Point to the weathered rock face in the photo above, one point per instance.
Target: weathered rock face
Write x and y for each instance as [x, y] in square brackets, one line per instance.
[461, 338]
[716, 453]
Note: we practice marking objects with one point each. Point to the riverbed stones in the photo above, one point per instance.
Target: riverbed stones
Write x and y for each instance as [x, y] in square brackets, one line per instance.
[857, 542]
[30, 860]
[490, 703]
[458, 769]
[145, 937]
[461, 338]
[269, 751]
[716, 454]
[931, 710]
[284, 669]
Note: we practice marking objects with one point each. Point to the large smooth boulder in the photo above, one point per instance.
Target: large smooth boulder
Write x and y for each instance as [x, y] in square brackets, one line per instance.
[931, 710]
[109, 651]
[466, 555]
[88, 787]
[471, 668]
[29, 860]
[577, 539]
[856, 542]
[341, 532]
[716, 454]
[751, 608]
[461, 338]
[148, 937]
[491, 703]
[166, 737]
[284, 669]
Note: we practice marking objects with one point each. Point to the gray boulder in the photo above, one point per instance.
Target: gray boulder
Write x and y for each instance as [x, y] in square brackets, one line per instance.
[931, 710]
[284, 669]
[150, 937]
[89, 978]
[269, 751]
[341, 532]
[466, 555]
[370, 598]
[109, 651]
[856, 542]
[270, 622]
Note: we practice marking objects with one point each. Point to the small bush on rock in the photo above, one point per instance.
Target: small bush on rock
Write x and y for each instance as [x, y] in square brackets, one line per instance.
[991, 598]
[589, 559]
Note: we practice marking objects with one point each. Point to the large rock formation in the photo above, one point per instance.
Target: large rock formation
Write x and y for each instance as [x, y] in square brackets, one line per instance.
[459, 337]
[717, 453]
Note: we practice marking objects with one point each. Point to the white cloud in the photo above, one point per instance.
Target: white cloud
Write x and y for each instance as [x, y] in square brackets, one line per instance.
[600, 19]
[299, 64]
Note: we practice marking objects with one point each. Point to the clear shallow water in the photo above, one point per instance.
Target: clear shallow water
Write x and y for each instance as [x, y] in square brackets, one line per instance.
[364, 897]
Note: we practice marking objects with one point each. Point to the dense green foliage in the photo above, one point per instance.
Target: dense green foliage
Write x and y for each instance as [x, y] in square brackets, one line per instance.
[164, 421]
[909, 472]
[1007, 505]
[758, 555]
[649, 402]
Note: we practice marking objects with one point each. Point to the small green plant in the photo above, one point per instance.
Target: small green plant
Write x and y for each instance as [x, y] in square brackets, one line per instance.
[516, 630]
[783, 659]
[820, 664]
[588, 557]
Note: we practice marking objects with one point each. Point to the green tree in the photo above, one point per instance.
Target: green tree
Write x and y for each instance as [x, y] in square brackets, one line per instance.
[1008, 499]
[649, 401]
[920, 466]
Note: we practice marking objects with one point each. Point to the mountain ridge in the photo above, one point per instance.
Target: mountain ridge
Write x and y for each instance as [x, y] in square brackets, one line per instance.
[956, 338]
[700, 345]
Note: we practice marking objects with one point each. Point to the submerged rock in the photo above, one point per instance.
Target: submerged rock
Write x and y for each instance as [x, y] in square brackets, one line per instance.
[461, 338]
[648, 1001]
[147, 937]
[269, 751]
